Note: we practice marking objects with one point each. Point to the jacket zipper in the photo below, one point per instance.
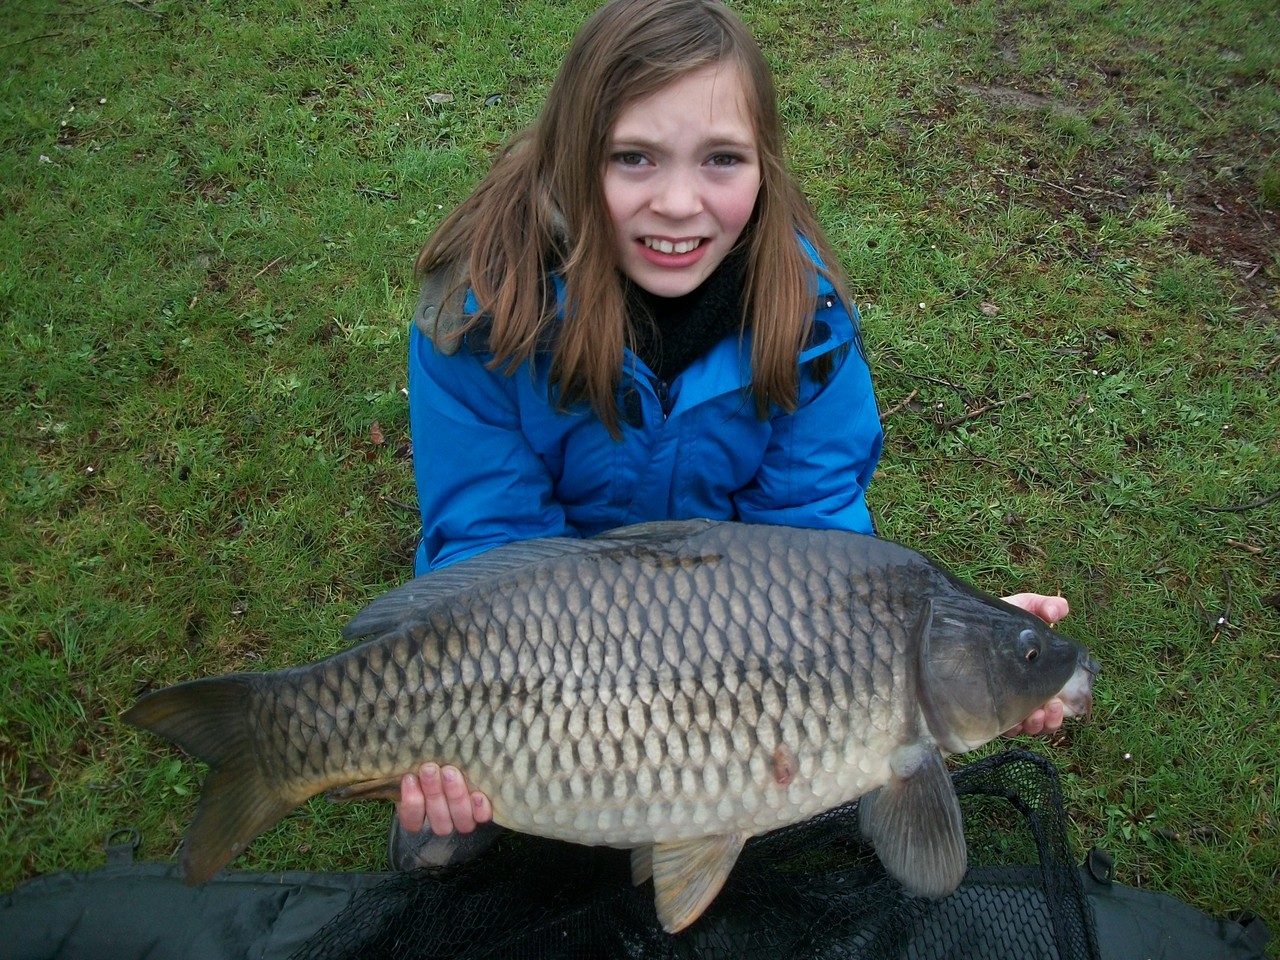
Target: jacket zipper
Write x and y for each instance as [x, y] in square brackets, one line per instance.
[663, 390]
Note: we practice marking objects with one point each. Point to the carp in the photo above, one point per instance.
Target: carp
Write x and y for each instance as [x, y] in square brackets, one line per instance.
[674, 688]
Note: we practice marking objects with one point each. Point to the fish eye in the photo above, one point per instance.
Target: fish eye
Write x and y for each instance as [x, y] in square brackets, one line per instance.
[1029, 645]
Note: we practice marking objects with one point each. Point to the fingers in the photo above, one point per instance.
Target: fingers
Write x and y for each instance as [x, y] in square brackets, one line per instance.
[1049, 609]
[481, 808]
[437, 797]
[1024, 726]
[1044, 720]
[413, 805]
[448, 801]
[1054, 711]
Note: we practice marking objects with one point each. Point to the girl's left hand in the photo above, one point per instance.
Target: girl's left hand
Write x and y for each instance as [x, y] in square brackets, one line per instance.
[438, 798]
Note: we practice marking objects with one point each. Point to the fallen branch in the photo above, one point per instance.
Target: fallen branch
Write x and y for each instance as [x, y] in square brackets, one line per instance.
[1083, 193]
[937, 381]
[43, 36]
[269, 265]
[1241, 507]
[979, 411]
[147, 10]
[899, 407]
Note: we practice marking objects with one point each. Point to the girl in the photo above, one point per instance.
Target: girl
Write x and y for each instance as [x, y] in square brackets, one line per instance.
[635, 316]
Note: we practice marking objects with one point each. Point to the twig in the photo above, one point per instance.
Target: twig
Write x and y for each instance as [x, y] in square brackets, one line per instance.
[1223, 621]
[28, 438]
[901, 406]
[380, 194]
[1247, 547]
[985, 408]
[1241, 507]
[269, 265]
[42, 36]
[1091, 191]
[894, 364]
[399, 505]
[1257, 213]
[146, 10]
[977, 281]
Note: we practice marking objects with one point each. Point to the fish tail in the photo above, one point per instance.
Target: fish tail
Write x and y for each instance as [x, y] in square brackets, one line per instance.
[212, 721]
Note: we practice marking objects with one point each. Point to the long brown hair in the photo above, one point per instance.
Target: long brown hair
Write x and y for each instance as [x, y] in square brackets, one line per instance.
[542, 207]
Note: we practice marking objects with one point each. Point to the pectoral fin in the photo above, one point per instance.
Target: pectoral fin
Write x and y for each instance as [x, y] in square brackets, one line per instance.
[385, 788]
[686, 875]
[914, 823]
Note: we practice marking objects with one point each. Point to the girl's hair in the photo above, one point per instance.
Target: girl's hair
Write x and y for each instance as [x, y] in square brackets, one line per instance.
[542, 207]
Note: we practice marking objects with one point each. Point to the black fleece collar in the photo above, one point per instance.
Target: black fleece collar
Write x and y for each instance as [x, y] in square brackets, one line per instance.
[672, 332]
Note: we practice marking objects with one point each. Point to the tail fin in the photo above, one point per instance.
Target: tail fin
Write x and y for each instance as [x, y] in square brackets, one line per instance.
[211, 719]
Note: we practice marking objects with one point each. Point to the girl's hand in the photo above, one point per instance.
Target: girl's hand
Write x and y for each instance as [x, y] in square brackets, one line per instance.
[1046, 719]
[438, 798]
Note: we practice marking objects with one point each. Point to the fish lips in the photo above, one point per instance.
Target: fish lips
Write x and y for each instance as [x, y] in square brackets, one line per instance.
[1077, 694]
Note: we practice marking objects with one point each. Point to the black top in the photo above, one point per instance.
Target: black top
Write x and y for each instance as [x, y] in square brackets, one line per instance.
[672, 332]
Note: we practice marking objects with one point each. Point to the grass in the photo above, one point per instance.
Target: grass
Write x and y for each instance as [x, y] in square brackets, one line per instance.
[1061, 221]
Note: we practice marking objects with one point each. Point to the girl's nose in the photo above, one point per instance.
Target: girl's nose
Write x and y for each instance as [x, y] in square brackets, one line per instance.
[676, 197]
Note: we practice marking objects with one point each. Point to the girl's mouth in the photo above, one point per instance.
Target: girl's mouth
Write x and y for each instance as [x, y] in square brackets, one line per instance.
[671, 246]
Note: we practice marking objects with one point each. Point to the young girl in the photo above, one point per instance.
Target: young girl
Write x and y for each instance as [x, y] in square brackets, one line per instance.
[634, 317]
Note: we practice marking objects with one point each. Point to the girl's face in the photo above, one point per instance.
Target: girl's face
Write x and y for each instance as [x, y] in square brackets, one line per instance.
[681, 177]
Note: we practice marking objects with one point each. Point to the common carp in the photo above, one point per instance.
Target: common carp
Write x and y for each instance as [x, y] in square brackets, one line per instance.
[673, 687]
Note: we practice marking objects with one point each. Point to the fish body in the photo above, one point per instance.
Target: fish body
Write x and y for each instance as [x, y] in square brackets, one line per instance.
[673, 687]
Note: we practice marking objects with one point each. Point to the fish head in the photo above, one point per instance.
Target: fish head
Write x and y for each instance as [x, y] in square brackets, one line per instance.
[985, 665]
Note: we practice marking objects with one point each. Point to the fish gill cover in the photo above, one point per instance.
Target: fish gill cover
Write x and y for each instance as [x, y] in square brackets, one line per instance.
[812, 890]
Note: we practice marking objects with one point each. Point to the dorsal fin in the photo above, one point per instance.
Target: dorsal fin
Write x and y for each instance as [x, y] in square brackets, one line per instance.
[401, 604]
[661, 531]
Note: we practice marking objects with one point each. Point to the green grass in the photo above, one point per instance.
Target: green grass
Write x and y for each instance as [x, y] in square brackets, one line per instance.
[1061, 221]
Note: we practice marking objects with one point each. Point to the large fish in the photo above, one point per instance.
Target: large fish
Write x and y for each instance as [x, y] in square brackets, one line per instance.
[672, 687]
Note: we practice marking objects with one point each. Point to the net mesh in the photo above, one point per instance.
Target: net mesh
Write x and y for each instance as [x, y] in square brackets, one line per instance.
[813, 890]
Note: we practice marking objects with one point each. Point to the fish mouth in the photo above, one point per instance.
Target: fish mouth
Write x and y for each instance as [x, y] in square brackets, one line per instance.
[1077, 695]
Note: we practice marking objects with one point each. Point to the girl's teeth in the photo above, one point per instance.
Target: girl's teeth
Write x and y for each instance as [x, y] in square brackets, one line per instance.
[666, 246]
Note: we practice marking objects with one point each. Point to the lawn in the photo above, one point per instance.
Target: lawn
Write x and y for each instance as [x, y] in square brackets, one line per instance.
[1062, 221]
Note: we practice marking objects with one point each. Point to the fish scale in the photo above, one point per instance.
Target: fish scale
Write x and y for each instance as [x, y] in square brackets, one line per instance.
[673, 687]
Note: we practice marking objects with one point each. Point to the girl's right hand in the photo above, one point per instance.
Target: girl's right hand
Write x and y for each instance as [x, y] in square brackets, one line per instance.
[439, 798]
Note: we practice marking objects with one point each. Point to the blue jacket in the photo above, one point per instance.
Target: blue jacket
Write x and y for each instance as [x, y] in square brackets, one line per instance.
[495, 461]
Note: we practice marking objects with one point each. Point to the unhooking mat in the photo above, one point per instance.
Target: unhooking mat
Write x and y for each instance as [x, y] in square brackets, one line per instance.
[809, 891]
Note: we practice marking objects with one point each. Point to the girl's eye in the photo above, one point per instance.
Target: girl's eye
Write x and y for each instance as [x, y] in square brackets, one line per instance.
[628, 158]
[724, 160]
